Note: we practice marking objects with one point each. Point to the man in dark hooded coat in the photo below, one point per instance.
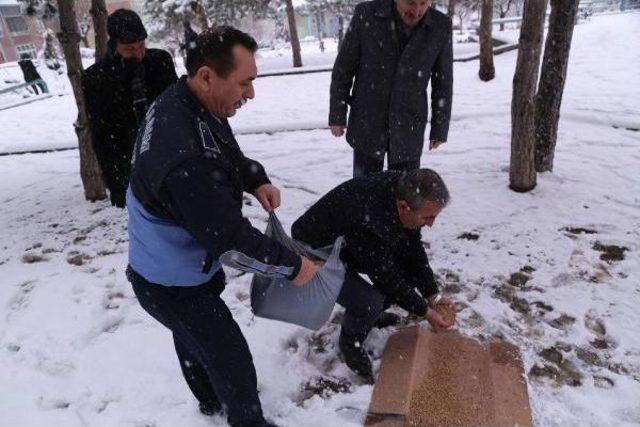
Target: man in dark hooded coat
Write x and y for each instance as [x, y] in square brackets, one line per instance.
[118, 91]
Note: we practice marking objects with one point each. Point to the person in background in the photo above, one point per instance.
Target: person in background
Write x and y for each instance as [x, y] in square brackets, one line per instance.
[390, 53]
[118, 91]
[31, 75]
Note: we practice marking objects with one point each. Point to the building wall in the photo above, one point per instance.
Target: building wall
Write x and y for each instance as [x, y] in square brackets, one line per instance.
[13, 43]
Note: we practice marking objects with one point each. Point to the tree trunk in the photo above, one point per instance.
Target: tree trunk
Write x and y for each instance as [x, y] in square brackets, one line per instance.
[201, 14]
[451, 8]
[69, 39]
[522, 172]
[487, 71]
[340, 31]
[293, 33]
[98, 13]
[502, 15]
[320, 32]
[552, 78]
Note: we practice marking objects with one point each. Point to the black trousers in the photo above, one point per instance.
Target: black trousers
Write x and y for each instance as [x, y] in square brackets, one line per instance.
[363, 305]
[213, 354]
[364, 164]
[41, 86]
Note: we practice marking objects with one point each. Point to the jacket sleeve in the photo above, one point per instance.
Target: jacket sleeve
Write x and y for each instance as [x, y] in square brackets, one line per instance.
[201, 201]
[415, 266]
[344, 70]
[442, 88]
[99, 133]
[376, 259]
[253, 175]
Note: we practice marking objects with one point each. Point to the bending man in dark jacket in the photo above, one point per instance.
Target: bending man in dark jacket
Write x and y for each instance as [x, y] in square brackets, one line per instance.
[118, 91]
[393, 48]
[380, 215]
[185, 210]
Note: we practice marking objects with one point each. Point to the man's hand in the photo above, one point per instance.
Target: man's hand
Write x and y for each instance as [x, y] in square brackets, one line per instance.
[436, 321]
[308, 269]
[337, 130]
[269, 196]
[442, 314]
[434, 143]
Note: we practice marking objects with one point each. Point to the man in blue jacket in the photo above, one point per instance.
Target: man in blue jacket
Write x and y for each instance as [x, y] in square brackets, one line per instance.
[184, 203]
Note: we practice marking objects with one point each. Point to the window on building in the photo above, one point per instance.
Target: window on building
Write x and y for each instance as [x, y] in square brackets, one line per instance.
[9, 10]
[27, 48]
[17, 24]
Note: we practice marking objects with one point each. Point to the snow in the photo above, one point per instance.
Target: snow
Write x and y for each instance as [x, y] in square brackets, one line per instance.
[76, 348]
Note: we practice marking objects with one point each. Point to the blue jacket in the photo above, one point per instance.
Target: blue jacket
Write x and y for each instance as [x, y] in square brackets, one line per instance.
[185, 197]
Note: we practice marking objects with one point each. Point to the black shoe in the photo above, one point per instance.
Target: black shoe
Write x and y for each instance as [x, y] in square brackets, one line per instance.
[356, 357]
[263, 423]
[210, 409]
[388, 319]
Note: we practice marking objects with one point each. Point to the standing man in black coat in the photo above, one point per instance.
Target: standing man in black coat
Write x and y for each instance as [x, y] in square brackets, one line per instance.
[118, 90]
[380, 216]
[393, 48]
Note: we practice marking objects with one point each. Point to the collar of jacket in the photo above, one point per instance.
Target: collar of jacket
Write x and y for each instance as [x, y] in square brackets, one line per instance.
[217, 126]
[383, 9]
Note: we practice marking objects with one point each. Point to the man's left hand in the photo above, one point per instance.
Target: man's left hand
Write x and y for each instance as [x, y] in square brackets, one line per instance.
[434, 143]
[269, 196]
[445, 306]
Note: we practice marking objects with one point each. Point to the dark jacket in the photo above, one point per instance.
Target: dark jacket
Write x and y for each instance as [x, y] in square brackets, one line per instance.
[189, 171]
[28, 70]
[112, 118]
[363, 210]
[388, 98]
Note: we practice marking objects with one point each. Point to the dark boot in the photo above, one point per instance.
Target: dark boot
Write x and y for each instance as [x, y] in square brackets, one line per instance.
[264, 423]
[210, 409]
[387, 319]
[355, 356]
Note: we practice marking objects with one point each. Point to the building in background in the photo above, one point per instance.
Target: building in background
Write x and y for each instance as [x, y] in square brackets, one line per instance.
[19, 33]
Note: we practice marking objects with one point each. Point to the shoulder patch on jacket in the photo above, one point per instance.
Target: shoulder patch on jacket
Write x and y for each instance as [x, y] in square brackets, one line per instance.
[148, 129]
[208, 141]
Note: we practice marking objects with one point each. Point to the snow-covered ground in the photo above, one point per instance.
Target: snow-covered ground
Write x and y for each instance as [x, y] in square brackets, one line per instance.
[556, 270]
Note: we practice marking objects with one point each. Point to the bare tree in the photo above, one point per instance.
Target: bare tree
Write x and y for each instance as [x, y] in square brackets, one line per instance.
[487, 70]
[522, 172]
[451, 8]
[293, 34]
[198, 9]
[320, 30]
[84, 26]
[552, 78]
[464, 8]
[69, 39]
[343, 9]
[502, 7]
[98, 12]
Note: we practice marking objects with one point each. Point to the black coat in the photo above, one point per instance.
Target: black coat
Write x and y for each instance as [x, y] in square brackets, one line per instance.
[112, 119]
[386, 87]
[363, 210]
[189, 170]
[28, 70]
